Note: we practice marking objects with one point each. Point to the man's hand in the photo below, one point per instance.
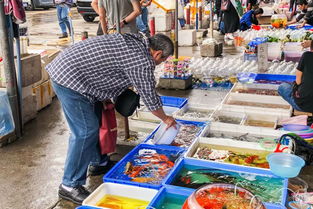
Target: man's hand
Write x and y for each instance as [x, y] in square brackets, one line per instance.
[301, 25]
[170, 122]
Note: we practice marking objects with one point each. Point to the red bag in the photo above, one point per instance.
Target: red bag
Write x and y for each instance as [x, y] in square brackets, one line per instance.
[108, 130]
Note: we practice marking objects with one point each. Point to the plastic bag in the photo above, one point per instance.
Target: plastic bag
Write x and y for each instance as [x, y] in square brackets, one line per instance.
[6, 117]
[108, 130]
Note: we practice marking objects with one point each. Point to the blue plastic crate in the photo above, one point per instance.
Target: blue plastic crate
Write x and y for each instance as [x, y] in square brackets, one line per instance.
[199, 124]
[111, 176]
[87, 207]
[294, 27]
[275, 77]
[159, 198]
[227, 167]
[173, 101]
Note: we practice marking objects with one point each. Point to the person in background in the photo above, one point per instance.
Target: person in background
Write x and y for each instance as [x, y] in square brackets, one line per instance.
[300, 94]
[250, 18]
[94, 5]
[251, 4]
[129, 10]
[63, 9]
[306, 13]
[231, 21]
[95, 70]
[142, 20]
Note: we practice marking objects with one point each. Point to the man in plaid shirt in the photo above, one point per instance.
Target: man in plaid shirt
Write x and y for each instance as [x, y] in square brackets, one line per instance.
[96, 70]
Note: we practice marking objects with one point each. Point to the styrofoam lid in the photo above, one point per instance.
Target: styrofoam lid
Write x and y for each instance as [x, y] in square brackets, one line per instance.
[163, 136]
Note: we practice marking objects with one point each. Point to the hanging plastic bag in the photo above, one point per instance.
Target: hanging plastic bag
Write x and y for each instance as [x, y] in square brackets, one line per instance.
[6, 118]
[108, 130]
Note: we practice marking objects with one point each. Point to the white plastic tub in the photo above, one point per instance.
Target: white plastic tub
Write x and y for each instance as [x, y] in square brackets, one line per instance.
[123, 190]
[283, 109]
[227, 144]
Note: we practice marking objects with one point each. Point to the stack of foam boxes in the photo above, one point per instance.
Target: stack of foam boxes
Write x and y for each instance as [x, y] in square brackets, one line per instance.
[163, 22]
[37, 91]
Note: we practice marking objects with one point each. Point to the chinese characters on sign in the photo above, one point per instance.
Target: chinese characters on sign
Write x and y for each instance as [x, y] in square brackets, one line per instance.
[262, 58]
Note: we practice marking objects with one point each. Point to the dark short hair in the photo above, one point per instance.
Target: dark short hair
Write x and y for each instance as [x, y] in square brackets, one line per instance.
[163, 43]
[258, 11]
[302, 2]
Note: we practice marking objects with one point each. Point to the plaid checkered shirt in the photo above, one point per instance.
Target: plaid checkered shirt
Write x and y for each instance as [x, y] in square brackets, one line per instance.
[103, 67]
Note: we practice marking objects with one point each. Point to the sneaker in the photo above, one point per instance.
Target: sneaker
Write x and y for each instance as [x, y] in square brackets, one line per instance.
[77, 195]
[64, 35]
[101, 170]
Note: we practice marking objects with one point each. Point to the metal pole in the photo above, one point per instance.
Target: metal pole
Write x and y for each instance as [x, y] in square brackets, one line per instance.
[9, 70]
[118, 30]
[211, 18]
[176, 29]
[197, 16]
[117, 13]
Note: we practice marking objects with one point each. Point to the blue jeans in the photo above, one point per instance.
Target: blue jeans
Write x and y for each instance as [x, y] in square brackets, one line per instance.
[83, 118]
[142, 20]
[285, 91]
[62, 12]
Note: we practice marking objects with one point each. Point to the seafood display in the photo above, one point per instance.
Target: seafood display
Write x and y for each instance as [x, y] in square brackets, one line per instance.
[186, 135]
[194, 114]
[147, 166]
[267, 188]
[258, 91]
[223, 196]
[246, 137]
[228, 156]
[119, 202]
[256, 104]
[227, 119]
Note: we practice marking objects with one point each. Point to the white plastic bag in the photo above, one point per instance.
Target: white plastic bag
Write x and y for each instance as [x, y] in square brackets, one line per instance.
[6, 118]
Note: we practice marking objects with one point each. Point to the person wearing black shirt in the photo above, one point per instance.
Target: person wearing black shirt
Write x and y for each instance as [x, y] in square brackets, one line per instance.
[300, 94]
[251, 4]
[306, 13]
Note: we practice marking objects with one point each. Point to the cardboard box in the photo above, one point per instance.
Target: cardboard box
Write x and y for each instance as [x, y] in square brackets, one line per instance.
[31, 69]
[43, 95]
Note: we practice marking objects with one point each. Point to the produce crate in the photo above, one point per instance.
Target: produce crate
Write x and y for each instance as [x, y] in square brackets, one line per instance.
[240, 171]
[123, 190]
[116, 174]
[169, 191]
[202, 126]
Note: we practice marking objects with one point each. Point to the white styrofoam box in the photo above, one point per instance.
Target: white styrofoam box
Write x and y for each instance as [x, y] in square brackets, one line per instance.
[163, 22]
[254, 86]
[274, 51]
[43, 94]
[230, 130]
[178, 114]
[250, 147]
[187, 37]
[293, 46]
[123, 190]
[241, 116]
[261, 117]
[144, 114]
[253, 98]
